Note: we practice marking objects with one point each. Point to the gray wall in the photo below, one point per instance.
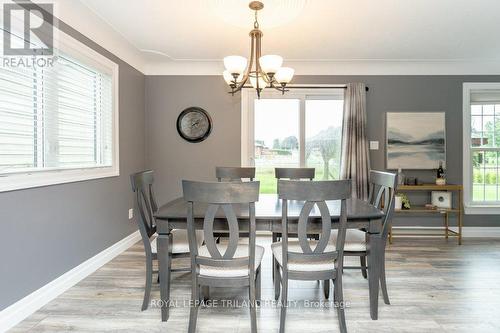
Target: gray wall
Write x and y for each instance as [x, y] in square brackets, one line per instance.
[174, 159]
[49, 230]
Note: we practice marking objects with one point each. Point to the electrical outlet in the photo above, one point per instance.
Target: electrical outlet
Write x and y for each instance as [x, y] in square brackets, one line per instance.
[130, 213]
[373, 145]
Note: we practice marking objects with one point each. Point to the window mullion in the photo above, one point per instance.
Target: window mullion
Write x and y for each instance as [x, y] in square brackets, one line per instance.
[302, 132]
[38, 111]
[97, 145]
[36, 119]
[51, 119]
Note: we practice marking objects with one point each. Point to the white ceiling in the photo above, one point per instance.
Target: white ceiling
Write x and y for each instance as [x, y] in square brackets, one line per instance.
[192, 36]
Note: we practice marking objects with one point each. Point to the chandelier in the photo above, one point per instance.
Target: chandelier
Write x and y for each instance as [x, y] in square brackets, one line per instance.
[262, 71]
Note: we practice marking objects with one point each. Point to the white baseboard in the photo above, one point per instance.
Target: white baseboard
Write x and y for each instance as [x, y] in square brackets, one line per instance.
[481, 232]
[467, 232]
[23, 308]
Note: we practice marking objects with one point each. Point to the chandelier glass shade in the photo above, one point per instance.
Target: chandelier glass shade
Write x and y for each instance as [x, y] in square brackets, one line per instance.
[261, 71]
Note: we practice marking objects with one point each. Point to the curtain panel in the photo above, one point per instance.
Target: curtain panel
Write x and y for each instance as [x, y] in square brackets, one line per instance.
[355, 162]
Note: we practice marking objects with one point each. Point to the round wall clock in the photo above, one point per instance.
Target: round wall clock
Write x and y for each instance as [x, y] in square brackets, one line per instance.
[194, 124]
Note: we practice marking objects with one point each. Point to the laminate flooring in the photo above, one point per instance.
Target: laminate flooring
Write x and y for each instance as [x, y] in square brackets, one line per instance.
[434, 286]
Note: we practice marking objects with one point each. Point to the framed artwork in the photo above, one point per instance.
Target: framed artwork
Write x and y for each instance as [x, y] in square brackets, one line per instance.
[415, 140]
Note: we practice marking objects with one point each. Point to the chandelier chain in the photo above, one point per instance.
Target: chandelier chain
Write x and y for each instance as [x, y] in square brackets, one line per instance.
[256, 23]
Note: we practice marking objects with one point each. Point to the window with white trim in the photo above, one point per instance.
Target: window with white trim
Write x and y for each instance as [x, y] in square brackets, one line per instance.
[59, 123]
[482, 147]
[302, 128]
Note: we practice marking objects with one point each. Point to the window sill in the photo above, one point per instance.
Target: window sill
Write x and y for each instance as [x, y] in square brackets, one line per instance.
[482, 210]
[46, 178]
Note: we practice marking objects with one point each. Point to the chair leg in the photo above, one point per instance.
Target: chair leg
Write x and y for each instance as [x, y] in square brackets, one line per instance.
[362, 260]
[149, 281]
[277, 280]
[284, 300]
[326, 288]
[169, 270]
[253, 313]
[339, 303]
[274, 262]
[258, 283]
[383, 283]
[193, 312]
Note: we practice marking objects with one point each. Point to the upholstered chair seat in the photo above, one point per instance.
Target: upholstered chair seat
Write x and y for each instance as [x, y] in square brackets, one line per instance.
[180, 243]
[226, 272]
[355, 240]
[300, 265]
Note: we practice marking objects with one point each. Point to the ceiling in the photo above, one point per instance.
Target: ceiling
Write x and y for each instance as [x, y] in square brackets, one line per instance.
[202, 32]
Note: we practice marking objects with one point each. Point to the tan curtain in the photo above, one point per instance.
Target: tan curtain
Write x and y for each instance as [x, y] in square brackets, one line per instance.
[355, 163]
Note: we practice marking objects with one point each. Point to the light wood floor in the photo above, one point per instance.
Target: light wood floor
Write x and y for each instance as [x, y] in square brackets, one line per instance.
[434, 285]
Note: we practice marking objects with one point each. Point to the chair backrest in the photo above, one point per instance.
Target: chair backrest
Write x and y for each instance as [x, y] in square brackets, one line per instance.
[315, 193]
[142, 185]
[234, 173]
[294, 173]
[381, 195]
[221, 195]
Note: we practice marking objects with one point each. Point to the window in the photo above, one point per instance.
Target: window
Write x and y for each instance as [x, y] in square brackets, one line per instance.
[302, 128]
[59, 123]
[482, 147]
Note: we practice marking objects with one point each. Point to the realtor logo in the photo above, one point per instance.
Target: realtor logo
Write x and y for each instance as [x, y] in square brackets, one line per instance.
[37, 37]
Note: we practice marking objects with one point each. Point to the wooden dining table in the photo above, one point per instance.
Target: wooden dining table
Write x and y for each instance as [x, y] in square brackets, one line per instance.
[360, 215]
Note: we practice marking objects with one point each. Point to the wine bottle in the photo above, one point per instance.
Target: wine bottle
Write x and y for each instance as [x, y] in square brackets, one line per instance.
[440, 171]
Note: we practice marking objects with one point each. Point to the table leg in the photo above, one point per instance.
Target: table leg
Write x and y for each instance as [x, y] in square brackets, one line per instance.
[446, 224]
[460, 216]
[164, 242]
[374, 261]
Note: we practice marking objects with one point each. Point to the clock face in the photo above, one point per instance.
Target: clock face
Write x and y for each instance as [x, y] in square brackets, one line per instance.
[194, 124]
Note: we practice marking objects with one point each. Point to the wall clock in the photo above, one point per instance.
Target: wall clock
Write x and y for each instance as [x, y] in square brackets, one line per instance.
[194, 124]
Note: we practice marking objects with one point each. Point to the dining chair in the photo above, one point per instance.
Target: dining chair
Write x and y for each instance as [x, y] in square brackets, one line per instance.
[291, 174]
[234, 173]
[142, 185]
[223, 265]
[294, 173]
[306, 259]
[381, 195]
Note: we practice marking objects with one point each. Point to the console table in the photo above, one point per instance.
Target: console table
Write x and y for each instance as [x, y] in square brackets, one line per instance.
[456, 209]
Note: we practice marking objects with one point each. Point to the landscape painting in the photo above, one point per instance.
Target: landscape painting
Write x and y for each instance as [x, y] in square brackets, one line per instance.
[415, 140]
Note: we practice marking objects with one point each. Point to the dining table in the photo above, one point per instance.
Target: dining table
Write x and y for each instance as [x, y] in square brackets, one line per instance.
[268, 215]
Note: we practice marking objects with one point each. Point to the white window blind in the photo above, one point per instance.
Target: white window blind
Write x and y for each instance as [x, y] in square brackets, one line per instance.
[59, 123]
[56, 117]
[18, 120]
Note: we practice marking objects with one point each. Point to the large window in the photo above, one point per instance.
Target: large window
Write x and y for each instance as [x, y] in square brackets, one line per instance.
[58, 122]
[482, 147]
[300, 129]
